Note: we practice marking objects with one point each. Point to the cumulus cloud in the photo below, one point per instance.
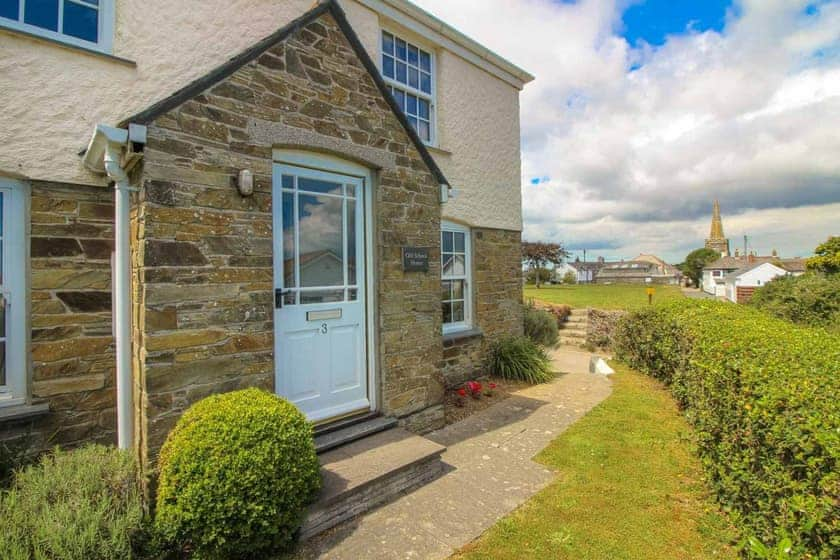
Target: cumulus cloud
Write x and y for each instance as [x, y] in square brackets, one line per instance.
[632, 142]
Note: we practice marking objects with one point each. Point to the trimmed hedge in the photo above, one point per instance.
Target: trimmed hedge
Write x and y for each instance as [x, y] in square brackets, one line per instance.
[236, 473]
[812, 299]
[764, 398]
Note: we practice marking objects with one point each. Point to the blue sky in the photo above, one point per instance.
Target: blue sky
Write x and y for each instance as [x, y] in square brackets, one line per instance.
[654, 20]
[645, 111]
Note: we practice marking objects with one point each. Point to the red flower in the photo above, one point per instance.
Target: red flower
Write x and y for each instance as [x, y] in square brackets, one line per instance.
[493, 385]
[474, 386]
[462, 393]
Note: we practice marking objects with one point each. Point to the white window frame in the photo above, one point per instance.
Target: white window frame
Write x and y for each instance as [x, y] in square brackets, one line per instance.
[105, 30]
[431, 98]
[15, 196]
[467, 323]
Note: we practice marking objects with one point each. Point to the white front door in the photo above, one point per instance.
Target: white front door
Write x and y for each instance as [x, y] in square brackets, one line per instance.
[319, 281]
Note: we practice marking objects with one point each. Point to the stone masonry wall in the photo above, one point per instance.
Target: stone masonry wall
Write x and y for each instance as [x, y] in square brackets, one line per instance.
[497, 303]
[71, 341]
[203, 253]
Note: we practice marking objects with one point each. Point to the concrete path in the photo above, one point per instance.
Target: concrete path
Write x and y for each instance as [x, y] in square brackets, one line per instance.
[489, 473]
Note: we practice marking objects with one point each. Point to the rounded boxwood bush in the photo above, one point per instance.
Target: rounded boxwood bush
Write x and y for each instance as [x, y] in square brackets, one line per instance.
[236, 473]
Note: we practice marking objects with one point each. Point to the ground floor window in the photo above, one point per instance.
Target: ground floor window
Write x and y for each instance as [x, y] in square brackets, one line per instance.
[12, 297]
[456, 277]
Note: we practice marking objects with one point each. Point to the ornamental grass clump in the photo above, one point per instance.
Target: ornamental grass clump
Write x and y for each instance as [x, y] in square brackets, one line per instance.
[519, 358]
[540, 326]
[83, 504]
[236, 474]
[763, 396]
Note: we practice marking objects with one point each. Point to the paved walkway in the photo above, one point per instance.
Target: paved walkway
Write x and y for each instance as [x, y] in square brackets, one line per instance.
[490, 473]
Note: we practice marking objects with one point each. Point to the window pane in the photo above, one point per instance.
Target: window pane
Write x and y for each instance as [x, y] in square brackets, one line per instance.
[352, 295]
[400, 97]
[388, 66]
[81, 21]
[447, 313]
[42, 13]
[288, 182]
[413, 78]
[410, 104]
[401, 48]
[413, 121]
[448, 244]
[457, 312]
[458, 289]
[459, 242]
[446, 290]
[288, 214]
[453, 265]
[314, 185]
[2, 317]
[413, 55]
[424, 131]
[321, 241]
[351, 242]
[322, 296]
[3, 363]
[10, 9]
[425, 61]
[387, 43]
[351, 190]
[401, 70]
[423, 107]
[426, 82]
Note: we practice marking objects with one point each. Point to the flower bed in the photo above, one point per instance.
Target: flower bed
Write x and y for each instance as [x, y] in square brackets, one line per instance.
[762, 395]
[461, 402]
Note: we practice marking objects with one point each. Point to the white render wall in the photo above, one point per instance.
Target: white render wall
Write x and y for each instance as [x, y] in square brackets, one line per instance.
[54, 96]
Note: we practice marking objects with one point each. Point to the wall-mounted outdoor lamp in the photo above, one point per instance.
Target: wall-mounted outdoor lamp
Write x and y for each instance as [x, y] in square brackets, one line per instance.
[245, 182]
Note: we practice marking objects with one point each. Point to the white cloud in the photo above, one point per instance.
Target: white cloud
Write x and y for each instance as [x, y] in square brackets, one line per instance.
[749, 115]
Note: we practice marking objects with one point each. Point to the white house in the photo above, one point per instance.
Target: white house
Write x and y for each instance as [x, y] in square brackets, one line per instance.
[561, 270]
[740, 285]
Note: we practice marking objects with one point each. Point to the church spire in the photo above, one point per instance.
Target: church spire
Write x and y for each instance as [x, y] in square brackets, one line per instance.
[716, 233]
[717, 240]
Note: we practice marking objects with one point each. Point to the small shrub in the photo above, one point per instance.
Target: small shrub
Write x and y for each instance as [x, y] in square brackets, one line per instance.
[570, 278]
[73, 505]
[540, 326]
[811, 299]
[236, 473]
[761, 395]
[519, 358]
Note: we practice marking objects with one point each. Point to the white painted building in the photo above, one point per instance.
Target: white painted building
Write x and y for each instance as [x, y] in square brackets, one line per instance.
[740, 285]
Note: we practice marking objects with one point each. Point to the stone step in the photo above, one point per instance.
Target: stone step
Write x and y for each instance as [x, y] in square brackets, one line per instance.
[368, 472]
[347, 431]
[573, 331]
[579, 313]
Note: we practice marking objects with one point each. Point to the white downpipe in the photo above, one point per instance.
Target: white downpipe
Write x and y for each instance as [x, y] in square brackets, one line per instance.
[122, 295]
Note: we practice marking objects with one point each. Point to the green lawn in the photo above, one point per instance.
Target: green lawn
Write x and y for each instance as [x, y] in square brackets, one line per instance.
[628, 487]
[612, 296]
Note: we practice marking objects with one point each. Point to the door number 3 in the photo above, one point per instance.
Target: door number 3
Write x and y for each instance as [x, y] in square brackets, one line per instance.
[323, 328]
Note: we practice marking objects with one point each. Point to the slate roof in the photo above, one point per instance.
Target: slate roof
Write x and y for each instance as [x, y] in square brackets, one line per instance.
[737, 263]
[228, 68]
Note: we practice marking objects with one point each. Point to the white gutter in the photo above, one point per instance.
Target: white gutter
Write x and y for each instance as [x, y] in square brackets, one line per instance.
[110, 152]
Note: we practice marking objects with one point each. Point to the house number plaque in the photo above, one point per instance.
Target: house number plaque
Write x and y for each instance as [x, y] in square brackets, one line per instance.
[415, 259]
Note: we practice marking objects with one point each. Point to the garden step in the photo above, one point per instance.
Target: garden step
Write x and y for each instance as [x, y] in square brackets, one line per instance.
[568, 331]
[349, 430]
[366, 473]
[580, 313]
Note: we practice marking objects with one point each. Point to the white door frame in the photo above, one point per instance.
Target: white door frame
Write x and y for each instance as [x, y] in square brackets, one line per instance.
[333, 164]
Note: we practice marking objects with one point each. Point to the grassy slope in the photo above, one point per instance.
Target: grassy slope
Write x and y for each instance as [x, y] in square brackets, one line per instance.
[613, 296]
[628, 487]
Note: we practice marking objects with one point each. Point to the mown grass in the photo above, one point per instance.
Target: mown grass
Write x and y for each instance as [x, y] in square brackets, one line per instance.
[628, 487]
[612, 296]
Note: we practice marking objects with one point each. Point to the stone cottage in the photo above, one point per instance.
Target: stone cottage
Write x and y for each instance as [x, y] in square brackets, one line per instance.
[319, 200]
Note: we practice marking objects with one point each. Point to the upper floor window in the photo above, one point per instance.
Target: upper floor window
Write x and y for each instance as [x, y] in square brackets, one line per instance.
[12, 295]
[408, 71]
[84, 23]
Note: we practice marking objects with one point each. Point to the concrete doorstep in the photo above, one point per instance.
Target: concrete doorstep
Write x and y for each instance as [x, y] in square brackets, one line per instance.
[488, 472]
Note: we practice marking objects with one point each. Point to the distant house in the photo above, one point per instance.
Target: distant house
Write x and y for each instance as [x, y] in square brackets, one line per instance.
[740, 285]
[587, 271]
[714, 274]
[561, 270]
[645, 269]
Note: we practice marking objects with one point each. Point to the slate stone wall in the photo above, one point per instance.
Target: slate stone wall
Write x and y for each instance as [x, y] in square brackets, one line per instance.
[497, 303]
[203, 253]
[72, 351]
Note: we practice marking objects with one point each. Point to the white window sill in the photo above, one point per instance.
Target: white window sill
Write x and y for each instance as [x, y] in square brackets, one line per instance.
[461, 333]
[17, 409]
